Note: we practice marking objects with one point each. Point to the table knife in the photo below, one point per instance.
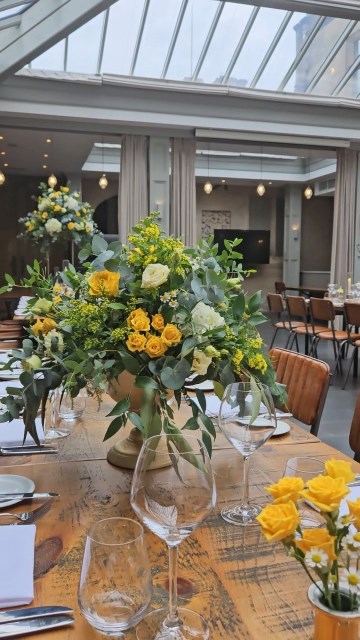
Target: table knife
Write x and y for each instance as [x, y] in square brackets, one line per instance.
[21, 628]
[32, 612]
[25, 496]
[26, 451]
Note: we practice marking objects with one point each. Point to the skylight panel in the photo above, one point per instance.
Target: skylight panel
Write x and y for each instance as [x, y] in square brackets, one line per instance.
[122, 31]
[337, 68]
[83, 47]
[52, 59]
[14, 11]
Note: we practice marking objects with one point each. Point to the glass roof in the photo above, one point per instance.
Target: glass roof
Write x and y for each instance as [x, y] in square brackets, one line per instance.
[213, 41]
[12, 9]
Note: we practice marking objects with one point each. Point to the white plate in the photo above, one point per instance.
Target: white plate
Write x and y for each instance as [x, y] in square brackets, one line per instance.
[7, 374]
[207, 385]
[14, 484]
[282, 427]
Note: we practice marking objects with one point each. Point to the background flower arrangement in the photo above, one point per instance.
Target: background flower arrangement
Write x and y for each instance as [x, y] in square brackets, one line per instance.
[59, 216]
[155, 309]
[331, 554]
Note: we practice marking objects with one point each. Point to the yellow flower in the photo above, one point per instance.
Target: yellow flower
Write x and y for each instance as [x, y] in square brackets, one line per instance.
[88, 228]
[44, 216]
[30, 227]
[157, 322]
[138, 250]
[325, 492]
[354, 508]
[52, 195]
[134, 314]
[140, 323]
[279, 521]
[152, 248]
[57, 299]
[104, 283]
[70, 225]
[286, 489]
[339, 469]
[77, 213]
[57, 208]
[155, 347]
[37, 327]
[58, 288]
[136, 341]
[64, 189]
[48, 325]
[317, 539]
[171, 335]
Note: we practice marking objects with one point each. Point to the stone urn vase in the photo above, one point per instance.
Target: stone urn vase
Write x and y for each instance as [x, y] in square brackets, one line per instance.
[124, 452]
[330, 624]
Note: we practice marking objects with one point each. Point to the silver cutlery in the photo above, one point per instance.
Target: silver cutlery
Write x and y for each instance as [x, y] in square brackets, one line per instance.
[33, 612]
[26, 450]
[21, 628]
[29, 516]
[26, 496]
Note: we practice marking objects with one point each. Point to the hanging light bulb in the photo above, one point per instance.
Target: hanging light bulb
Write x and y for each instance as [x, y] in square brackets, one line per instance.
[260, 189]
[208, 187]
[2, 178]
[52, 181]
[308, 193]
[103, 181]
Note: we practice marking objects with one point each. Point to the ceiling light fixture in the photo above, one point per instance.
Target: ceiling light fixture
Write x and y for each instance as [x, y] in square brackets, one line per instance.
[1, 137]
[46, 155]
[2, 178]
[208, 186]
[103, 181]
[6, 164]
[44, 166]
[308, 193]
[3, 153]
[52, 181]
[260, 189]
[48, 139]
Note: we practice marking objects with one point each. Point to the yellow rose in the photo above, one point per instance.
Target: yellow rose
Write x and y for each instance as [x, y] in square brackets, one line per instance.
[104, 283]
[52, 195]
[201, 362]
[57, 299]
[325, 492]
[37, 327]
[78, 214]
[279, 521]
[58, 288]
[158, 322]
[286, 489]
[48, 325]
[31, 363]
[171, 335]
[317, 539]
[57, 208]
[136, 341]
[140, 323]
[70, 225]
[339, 469]
[155, 347]
[64, 189]
[135, 314]
[354, 508]
[44, 216]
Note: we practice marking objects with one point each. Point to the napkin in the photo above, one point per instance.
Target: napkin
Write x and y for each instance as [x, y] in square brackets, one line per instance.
[17, 546]
[212, 405]
[352, 496]
[12, 433]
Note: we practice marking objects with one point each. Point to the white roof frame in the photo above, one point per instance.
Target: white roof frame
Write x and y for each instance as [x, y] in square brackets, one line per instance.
[333, 8]
[41, 26]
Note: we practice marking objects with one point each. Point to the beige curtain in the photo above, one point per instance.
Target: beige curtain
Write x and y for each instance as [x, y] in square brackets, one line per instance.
[183, 193]
[343, 240]
[133, 183]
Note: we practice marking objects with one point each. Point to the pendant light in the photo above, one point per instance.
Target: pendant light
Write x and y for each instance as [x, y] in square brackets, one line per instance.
[208, 186]
[2, 178]
[308, 193]
[103, 181]
[52, 181]
[260, 189]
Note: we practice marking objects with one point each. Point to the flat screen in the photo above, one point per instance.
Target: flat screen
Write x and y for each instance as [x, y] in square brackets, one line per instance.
[255, 246]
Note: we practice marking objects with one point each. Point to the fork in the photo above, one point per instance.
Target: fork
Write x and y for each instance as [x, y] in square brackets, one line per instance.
[30, 516]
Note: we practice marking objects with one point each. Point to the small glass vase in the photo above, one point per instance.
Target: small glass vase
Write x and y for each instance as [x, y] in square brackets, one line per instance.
[330, 624]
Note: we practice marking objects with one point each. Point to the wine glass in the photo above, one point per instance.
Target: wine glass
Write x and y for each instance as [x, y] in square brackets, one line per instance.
[247, 419]
[172, 502]
[115, 582]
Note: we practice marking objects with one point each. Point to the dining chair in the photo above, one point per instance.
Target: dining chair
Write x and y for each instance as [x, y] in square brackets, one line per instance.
[352, 315]
[278, 316]
[280, 288]
[300, 322]
[307, 381]
[354, 435]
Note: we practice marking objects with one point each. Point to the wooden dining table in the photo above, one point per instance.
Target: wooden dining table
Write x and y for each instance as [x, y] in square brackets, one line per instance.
[245, 587]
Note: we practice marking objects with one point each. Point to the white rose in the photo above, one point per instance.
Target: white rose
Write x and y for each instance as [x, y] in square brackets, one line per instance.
[43, 204]
[154, 275]
[205, 318]
[72, 203]
[79, 226]
[200, 362]
[53, 226]
[47, 342]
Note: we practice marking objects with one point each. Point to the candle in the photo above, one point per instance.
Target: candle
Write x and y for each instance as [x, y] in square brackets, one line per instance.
[348, 282]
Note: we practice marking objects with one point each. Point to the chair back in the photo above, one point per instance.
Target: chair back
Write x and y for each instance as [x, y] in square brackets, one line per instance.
[280, 288]
[322, 310]
[297, 307]
[354, 436]
[275, 303]
[307, 381]
[352, 312]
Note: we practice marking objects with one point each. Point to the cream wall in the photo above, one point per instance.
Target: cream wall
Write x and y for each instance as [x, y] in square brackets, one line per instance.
[92, 193]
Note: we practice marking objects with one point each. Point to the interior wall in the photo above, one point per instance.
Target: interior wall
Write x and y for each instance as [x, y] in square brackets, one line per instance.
[316, 240]
[92, 193]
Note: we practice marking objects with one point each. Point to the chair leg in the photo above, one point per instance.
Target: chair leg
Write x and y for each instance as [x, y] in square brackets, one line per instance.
[273, 338]
[349, 369]
[290, 341]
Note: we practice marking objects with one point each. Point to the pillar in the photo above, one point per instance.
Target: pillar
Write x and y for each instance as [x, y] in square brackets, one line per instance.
[159, 179]
[292, 235]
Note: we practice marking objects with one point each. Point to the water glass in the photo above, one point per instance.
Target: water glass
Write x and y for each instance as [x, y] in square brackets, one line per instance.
[115, 582]
[306, 468]
[67, 407]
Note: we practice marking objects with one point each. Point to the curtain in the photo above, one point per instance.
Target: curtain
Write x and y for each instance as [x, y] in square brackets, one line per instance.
[133, 183]
[343, 240]
[183, 201]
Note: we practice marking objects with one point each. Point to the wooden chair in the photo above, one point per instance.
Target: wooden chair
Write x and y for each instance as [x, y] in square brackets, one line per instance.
[307, 381]
[354, 436]
[277, 315]
[280, 288]
[352, 315]
[298, 312]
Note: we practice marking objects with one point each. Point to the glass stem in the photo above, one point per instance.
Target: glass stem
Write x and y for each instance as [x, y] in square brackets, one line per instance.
[246, 481]
[172, 619]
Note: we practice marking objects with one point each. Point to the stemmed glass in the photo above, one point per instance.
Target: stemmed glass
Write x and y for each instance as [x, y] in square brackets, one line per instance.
[247, 419]
[172, 502]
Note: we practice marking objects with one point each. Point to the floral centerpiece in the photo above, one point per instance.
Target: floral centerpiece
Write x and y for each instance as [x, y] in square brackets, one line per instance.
[60, 215]
[330, 556]
[154, 309]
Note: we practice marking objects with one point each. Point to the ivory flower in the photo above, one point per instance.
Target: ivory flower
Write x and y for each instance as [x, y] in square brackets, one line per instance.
[154, 275]
[53, 226]
[205, 318]
[200, 363]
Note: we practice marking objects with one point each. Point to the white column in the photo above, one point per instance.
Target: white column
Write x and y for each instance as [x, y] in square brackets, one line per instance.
[75, 181]
[159, 179]
[357, 228]
[292, 235]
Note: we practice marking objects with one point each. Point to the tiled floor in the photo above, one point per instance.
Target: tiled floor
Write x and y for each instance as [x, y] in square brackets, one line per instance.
[339, 407]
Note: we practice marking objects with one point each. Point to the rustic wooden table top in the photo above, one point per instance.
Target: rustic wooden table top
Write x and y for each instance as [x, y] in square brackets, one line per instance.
[245, 587]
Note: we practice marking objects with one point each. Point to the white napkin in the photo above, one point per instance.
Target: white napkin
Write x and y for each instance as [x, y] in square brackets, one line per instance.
[8, 383]
[352, 496]
[212, 405]
[17, 546]
[12, 434]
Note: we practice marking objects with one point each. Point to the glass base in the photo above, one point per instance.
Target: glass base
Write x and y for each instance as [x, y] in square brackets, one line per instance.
[55, 434]
[153, 627]
[243, 515]
[311, 519]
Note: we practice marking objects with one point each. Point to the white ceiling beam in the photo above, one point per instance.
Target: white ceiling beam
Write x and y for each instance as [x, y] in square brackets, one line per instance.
[349, 9]
[43, 25]
[11, 4]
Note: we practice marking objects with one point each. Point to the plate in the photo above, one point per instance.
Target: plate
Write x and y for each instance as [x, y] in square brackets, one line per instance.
[16, 484]
[8, 374]
[207, 385]
[282, 427]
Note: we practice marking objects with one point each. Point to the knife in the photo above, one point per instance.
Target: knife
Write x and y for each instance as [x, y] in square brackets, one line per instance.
[32, 612]
[21, 628]
[24, 496]
[25, 451]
